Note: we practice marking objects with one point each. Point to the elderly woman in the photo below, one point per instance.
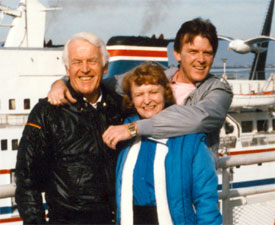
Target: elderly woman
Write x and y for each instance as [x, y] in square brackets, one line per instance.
[171, 181]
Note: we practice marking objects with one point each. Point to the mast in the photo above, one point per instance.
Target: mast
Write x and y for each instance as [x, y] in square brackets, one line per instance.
[28, 26]
[258, 67]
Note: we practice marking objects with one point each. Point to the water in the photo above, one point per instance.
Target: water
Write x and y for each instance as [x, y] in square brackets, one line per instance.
[239, 73]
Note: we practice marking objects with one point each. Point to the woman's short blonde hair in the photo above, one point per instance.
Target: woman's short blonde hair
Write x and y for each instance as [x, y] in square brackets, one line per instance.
[146, 73]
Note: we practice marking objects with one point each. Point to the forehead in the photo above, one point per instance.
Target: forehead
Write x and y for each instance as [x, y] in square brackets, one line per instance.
[145, 87]
[196, 41]
[81, 46]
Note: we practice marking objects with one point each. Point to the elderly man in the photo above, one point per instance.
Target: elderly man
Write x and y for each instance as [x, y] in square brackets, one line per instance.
[202, 98]
[62, 153]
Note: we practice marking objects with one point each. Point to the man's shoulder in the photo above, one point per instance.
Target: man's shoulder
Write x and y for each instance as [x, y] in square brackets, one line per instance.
[40, 111]
[41, 104]
[110, 94]
[214, 81]
[43, 107]
[213, 78]
[170, 72]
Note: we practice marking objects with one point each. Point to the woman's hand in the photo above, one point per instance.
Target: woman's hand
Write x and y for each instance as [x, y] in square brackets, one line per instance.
[115, 134]
[60, 94]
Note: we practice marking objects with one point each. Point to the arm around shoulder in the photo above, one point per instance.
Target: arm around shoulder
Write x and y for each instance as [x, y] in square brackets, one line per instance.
[59, 93]
[114, 83]
[204, 112]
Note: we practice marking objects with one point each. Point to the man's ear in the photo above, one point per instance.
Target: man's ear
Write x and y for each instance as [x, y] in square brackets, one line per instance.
[67, 71]
[105, 68]
[177, 55]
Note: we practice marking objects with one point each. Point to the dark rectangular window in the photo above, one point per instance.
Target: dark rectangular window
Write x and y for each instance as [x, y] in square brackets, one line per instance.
[273, 124]
[262, 125]
[12, 104]
[14, 144]
[247, 126]
[27, 103]
[4, 144]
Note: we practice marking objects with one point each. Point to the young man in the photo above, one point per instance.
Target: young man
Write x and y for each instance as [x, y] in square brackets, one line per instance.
[202, 99]
[62, 153]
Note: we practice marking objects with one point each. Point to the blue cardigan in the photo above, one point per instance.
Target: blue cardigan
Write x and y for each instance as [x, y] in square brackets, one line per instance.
[191, 180]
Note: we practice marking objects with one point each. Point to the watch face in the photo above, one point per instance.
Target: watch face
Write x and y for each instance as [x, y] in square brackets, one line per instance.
[132, 129]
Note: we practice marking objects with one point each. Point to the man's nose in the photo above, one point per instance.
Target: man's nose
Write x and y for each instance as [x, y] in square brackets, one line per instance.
[201, 57]
[85, 67]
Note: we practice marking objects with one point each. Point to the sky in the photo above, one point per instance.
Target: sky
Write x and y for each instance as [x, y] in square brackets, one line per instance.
[233, 18]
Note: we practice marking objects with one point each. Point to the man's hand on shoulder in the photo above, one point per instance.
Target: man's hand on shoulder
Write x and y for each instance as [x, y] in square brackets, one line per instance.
[60, 94]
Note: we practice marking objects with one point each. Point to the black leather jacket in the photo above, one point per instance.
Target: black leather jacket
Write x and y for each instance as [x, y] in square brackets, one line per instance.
[62, 153]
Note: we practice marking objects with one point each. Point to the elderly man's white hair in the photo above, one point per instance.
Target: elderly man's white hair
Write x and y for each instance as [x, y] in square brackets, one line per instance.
[94, 40]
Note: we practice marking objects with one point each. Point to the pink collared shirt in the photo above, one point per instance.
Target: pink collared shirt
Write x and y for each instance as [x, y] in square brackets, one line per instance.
[181, 90]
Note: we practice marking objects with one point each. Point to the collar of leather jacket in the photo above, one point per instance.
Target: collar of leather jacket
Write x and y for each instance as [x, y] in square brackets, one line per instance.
[83, 105]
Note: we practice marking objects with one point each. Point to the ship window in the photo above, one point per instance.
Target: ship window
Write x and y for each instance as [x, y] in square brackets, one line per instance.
[228, 128]
[262, 125]
[14, 144]
[273, 124]
[27, 104]
[247, 126]
[4, 144]
[12, 104]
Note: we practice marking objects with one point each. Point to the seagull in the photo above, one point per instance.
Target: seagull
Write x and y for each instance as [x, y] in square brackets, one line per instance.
[249, 45]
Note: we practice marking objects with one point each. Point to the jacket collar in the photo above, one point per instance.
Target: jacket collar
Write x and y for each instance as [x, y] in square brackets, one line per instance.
[79, 96]
[82, 103]
[170, 73]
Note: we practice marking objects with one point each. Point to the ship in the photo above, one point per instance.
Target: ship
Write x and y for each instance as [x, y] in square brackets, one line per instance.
[249, 128]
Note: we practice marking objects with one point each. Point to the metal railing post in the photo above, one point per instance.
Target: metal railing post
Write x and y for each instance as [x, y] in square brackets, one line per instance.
[225, 163]
[226, 208]
[7, 190]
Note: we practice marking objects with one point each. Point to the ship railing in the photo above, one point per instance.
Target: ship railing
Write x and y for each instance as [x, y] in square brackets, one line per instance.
[270, 81]
[242, 73]
[7, 190]
[228, 196]
[13, 119]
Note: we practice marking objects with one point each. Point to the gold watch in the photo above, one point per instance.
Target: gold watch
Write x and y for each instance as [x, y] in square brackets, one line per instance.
[132, 129]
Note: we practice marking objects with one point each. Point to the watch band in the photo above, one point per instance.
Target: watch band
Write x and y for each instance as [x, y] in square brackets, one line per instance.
[132, 129]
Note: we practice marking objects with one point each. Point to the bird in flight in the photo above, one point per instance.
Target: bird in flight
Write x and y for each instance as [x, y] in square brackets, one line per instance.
[249, 45]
